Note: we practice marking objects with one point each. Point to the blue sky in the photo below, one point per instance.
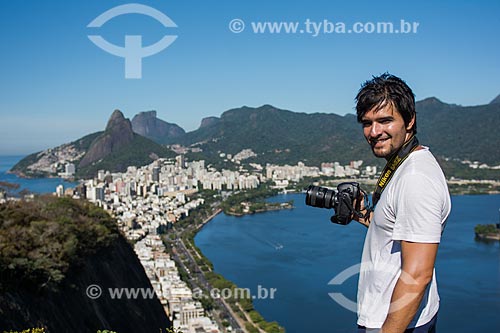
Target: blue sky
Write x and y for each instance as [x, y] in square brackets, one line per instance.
[57, 86]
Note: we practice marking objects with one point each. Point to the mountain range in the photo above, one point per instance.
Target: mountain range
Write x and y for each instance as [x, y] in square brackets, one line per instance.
[281, 136]
[278, 136]
[113, 149]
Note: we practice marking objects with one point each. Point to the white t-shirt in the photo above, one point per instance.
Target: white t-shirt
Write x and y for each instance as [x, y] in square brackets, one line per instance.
[413, 207]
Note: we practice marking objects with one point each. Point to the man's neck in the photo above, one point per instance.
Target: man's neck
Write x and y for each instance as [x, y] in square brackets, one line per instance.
[409, 135]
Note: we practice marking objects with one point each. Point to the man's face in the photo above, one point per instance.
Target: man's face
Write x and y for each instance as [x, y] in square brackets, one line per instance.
[385, 130]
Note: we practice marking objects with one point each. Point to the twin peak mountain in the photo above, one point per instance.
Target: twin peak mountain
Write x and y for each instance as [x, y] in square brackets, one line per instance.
[284, 137]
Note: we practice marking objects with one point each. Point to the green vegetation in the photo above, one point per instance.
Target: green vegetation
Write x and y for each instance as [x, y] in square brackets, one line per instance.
[42, 238]
[453, 168]
[232, 205]
[250, 328]
[284, 137]
[188, 227]
[23, 164]
[473, 188]
[140, 151]
[85, 142]
[447, 127]
[242, 300]
[81, 144]
[484, 229]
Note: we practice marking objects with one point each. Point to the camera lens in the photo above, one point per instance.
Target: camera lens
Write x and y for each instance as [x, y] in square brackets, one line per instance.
[318, 196]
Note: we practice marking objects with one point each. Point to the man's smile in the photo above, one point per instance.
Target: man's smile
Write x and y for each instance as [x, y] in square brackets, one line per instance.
[375, 143]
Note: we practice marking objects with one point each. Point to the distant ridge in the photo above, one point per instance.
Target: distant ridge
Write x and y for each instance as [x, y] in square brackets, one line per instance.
[496, 100]
[431, 101]
[278, 136]
[282, 136]
[114, 149]
[148, 125]
[208, 121]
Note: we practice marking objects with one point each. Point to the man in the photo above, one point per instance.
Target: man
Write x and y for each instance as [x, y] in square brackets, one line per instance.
[397, 290]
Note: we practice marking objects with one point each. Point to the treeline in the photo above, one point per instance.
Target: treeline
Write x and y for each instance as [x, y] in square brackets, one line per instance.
[485, 229]
[232, 204]
[243, 306]
[40, 239]
[453, 168]
[241, 303]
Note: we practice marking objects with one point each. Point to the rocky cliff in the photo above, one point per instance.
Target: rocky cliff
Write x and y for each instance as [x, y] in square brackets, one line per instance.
[118, 134]
[209, 121]
[119, 147]
[149, 126]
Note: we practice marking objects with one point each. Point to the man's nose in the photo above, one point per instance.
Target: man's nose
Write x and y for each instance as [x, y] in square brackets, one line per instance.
[375, 130]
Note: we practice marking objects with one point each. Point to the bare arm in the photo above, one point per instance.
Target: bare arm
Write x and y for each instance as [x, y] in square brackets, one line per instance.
[417, 268]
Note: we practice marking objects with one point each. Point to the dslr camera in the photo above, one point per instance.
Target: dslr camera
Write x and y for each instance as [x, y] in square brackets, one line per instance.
[341, 200]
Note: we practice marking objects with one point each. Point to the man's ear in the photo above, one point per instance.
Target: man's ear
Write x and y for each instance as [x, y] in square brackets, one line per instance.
[411, 123]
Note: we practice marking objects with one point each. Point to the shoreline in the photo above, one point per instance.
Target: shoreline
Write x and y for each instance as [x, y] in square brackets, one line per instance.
[199, 252]
[489, 236]
[455, 186]
[208, 219]
[258, 211]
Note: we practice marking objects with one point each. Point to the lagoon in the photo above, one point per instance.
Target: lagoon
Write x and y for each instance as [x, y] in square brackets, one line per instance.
[299, 251]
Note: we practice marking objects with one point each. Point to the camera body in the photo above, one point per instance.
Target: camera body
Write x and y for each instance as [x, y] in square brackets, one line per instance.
[341, 200]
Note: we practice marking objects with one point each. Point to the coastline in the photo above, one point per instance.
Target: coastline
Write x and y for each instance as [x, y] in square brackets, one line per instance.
[488, 236]
[269, 208]
[458, 240]
[455, 186]
[240, 316]
[208, 219]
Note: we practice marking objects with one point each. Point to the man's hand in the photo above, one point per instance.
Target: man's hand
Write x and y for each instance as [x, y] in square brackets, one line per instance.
[359, 205]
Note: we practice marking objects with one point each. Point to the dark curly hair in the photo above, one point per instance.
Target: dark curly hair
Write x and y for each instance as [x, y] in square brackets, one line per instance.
[383, 89]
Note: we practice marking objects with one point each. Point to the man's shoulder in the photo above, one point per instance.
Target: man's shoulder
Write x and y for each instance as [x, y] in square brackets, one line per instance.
[421, 162]
[420, 172]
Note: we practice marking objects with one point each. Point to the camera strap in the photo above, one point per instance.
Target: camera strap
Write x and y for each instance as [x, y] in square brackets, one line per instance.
[390, 168]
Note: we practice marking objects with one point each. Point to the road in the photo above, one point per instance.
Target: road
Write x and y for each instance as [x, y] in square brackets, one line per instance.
[197, 278]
